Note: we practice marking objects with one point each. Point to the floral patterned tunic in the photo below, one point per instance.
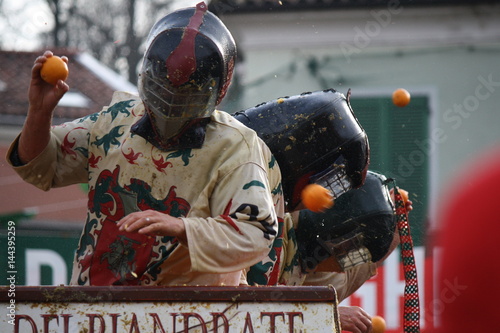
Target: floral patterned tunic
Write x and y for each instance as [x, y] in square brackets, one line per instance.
[228, 192]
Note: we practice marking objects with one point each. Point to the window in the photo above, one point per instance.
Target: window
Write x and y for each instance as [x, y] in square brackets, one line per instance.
[398, 138]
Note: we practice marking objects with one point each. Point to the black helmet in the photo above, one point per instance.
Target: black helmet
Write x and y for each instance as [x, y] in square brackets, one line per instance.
[316, 138]
[358, 228]
[187, 67]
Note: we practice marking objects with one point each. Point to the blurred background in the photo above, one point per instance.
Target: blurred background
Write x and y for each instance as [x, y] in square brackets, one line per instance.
[445, 53]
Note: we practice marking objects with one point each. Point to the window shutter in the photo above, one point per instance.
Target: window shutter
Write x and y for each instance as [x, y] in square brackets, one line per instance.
[398, 138]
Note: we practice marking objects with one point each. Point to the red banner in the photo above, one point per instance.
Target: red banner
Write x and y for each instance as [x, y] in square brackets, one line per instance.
[383, 294]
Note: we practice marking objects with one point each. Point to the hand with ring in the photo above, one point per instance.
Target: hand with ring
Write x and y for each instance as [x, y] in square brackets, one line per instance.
[154, 223]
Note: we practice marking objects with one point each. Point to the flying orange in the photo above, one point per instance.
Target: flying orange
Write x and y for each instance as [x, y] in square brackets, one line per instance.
[316, 198]
[401, 97]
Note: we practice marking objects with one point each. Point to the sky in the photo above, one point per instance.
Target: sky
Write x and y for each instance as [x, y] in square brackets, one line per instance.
[28, 19]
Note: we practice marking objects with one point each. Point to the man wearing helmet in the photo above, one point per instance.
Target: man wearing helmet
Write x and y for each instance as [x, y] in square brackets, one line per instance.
[342, 246]
[316, 138]
[179, 193]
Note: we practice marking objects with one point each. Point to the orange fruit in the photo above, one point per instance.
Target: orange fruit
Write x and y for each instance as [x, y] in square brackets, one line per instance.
[316, 198]
[378, 324]
[401, 97]
[53, 70]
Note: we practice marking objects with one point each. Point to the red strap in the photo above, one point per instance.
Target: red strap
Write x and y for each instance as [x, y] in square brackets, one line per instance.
[411, 317]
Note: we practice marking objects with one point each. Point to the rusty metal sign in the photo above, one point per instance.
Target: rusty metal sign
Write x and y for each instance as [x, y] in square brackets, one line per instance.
[172, 310]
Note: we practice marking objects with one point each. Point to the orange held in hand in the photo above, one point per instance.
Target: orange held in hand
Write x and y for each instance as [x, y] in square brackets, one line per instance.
[404, 195]
[316, 198]
[53, 70]
[401, 97]
[378, 324]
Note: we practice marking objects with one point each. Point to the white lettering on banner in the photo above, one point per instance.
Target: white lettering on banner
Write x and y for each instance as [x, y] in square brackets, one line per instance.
[36, 258]
[383, 295]
[368, 294]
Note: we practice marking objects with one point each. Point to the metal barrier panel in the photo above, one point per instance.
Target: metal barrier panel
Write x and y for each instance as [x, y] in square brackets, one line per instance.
[117, 309]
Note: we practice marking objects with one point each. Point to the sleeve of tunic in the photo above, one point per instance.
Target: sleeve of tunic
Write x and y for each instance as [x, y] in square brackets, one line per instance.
[245, 204]
[64, 161]
[345, 283]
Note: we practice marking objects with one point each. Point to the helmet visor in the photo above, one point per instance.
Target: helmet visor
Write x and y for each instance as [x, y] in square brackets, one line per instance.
[188, 101]
[335, 178]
